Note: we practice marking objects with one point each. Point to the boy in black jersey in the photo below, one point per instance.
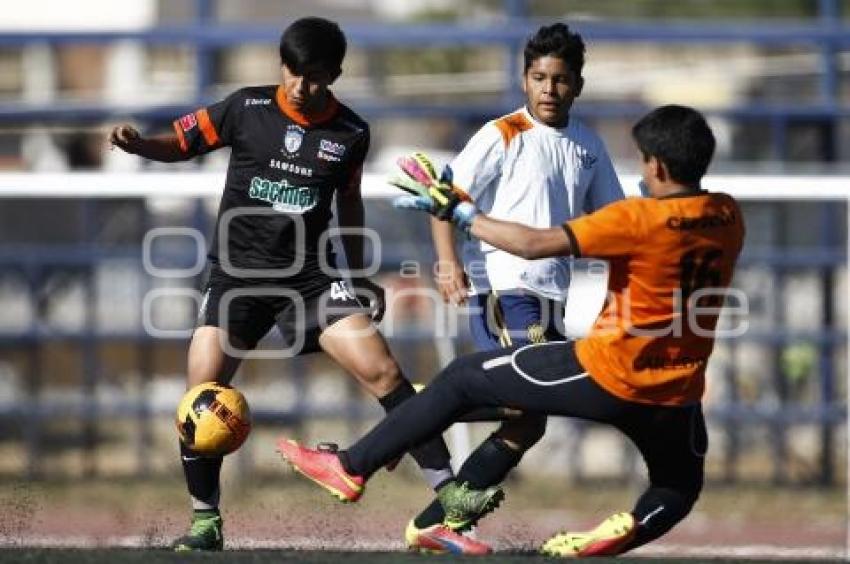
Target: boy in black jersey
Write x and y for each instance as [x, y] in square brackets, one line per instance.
[294, 148]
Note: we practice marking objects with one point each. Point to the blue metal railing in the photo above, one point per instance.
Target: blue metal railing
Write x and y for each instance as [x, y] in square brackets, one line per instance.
[827, 36]
[38, 263]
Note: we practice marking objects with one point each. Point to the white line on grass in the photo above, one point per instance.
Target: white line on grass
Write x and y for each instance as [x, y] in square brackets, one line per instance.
[312, 543]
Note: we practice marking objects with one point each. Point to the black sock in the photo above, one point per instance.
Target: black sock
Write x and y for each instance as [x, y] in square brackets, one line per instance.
[345, 462]
[658, 510]
[202, 475]
[487, 466]
[401, 392]
[431, 515]
[430, 456]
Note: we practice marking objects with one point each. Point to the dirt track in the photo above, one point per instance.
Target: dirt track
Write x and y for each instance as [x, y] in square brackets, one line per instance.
[287, 512]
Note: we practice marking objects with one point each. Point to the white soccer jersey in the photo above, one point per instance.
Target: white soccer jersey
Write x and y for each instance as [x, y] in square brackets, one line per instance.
[518, 169]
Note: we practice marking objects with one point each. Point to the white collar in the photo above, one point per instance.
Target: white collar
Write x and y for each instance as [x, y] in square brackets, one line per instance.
[559, 131]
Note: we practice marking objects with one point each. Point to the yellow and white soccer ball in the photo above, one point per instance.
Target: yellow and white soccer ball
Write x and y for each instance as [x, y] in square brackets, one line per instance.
[213, 419]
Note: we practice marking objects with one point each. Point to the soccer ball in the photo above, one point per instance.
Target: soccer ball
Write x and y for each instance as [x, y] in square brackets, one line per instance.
[213, 419]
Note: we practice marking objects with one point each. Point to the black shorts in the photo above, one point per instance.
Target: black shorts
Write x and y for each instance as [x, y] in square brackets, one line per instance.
[249, 309]
[549, 379]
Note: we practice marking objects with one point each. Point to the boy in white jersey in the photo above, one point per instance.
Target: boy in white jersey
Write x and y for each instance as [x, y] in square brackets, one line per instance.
[541, 167]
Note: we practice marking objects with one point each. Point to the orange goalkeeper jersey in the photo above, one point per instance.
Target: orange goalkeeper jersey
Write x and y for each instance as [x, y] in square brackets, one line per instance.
[671, 259]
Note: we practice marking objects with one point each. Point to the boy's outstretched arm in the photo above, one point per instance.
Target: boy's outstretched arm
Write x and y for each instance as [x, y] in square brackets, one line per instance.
[521, 240]
[162, 148]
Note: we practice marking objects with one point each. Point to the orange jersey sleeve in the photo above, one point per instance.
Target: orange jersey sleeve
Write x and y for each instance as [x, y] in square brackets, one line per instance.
[209, 128]
[671, 262]
[615, 230]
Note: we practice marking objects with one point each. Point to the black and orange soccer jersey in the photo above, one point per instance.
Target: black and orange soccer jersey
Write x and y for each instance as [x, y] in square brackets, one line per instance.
[671, 258]
[283, 173]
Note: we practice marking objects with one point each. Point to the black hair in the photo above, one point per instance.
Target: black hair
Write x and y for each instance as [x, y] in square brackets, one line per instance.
[679, 137]
[312, 41]
[558, 41]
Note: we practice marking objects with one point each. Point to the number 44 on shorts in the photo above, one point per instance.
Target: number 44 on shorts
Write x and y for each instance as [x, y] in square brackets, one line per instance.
[340, 291]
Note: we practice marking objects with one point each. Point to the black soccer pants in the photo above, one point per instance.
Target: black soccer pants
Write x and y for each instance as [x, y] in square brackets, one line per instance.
[548, 379]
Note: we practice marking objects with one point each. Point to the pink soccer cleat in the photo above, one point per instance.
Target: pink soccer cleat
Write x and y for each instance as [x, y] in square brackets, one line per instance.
[439, 539]
[322, 465]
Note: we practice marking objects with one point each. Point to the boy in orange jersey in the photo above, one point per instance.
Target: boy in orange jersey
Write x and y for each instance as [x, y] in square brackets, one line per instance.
[642, 368]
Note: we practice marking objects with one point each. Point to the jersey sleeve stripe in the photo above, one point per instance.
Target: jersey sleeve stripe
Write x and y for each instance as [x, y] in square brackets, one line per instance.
[207, 128]
[181, 137]
[511, 126]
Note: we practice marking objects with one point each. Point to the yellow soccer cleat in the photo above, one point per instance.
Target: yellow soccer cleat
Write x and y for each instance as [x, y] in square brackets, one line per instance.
[608, 539]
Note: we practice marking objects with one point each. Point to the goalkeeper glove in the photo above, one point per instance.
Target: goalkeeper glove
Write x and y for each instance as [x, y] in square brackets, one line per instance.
[431, 193]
